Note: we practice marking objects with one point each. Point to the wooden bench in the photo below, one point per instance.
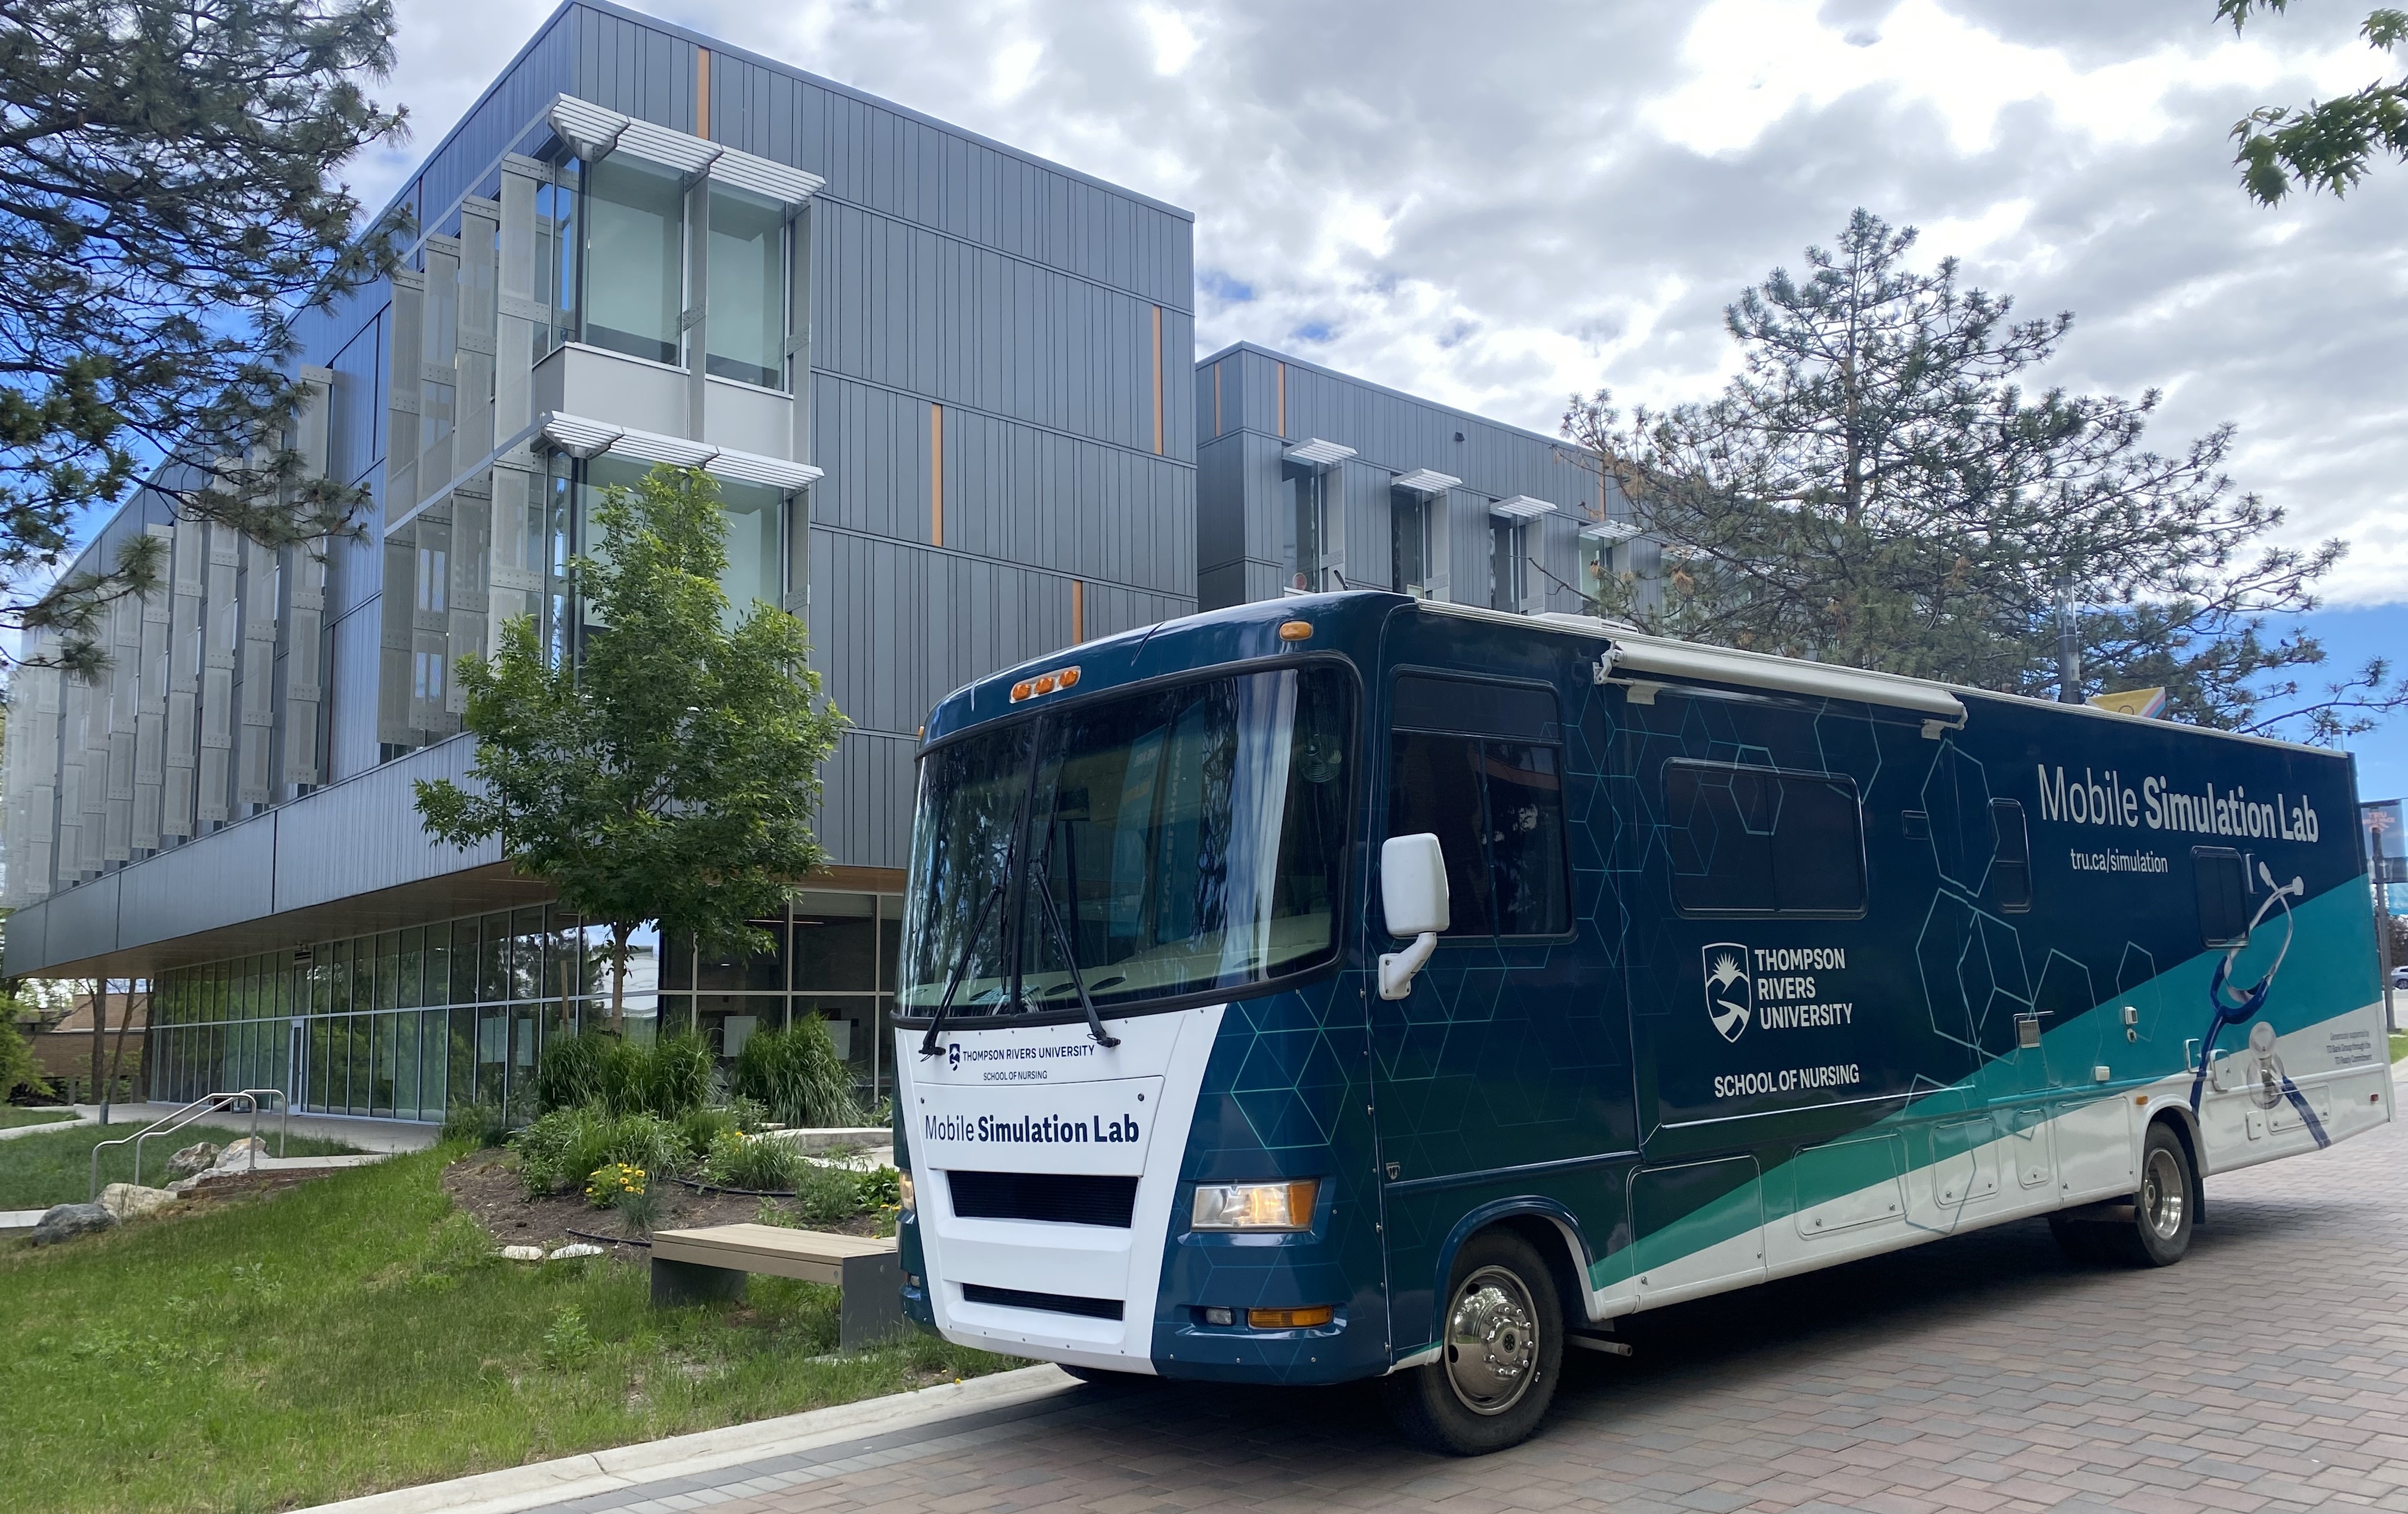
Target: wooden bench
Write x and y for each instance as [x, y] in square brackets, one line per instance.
[691, 1265]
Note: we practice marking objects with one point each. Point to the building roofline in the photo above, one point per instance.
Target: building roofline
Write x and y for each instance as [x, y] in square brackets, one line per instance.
[720, 45]
[1327, 372]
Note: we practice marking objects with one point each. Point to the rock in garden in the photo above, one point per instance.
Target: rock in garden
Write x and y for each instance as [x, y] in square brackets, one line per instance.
[131, 1201]
[574, 1251]
[199, 1157]
[521, 1253]
[238, 1154]
[65, 1220]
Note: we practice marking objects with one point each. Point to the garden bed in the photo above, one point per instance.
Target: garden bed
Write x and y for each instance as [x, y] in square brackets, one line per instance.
[485, 1185]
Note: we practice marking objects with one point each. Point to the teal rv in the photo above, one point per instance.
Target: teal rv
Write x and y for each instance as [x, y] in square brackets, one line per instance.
[1354, 987]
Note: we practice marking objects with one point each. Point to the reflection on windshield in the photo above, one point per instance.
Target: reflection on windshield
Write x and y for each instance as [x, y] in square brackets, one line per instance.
[1190, 838]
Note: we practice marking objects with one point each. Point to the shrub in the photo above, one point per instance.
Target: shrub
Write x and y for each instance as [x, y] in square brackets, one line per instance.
[575, 1069]
[825, 1195]
[670, 1077]
[561, 1150]
[478, 1124]
[613, 1180]
[762, 1164]
[881, 1188]
[797, 1073]
[698, 1128]
[17, 1069]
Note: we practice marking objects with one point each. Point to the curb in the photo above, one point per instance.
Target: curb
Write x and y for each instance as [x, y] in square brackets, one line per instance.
[589, 1473]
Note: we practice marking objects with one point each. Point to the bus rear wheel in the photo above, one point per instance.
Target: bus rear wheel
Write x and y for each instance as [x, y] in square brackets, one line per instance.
[1501, 1351]
[2162, 1213]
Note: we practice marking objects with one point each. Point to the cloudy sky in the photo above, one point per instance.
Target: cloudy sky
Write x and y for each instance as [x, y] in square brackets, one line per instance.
[1495, 204]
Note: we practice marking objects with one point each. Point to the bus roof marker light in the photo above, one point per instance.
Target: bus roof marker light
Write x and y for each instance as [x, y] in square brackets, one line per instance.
[1296, 631]
[1045, 683]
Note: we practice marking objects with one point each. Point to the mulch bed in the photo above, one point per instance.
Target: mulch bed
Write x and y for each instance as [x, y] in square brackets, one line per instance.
[485, 1184]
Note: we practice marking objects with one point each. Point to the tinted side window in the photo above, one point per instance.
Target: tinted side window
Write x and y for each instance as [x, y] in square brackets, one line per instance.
[1494, 803]
[1434, 786]
[1762, 841]
[2223, 895]
[2011, 865]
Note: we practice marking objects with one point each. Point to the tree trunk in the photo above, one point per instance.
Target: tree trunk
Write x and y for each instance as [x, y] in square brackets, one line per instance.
[117, 1057]
[99, 1044]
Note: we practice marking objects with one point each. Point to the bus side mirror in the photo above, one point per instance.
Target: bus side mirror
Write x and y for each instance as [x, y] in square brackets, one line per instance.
[1412, 892]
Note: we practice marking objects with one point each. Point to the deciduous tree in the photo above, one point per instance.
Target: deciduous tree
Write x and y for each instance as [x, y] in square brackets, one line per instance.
[2326, 144]
[670, 773]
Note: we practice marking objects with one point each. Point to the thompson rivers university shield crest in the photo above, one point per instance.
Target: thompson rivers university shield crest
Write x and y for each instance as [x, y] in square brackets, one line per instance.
[1730, 992]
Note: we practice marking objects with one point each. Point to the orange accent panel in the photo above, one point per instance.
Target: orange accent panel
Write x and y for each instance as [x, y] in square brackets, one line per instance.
[702, 93]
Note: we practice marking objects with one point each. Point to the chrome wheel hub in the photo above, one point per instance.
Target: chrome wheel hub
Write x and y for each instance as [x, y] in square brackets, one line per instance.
[1492, 1342]
[2161, 1195]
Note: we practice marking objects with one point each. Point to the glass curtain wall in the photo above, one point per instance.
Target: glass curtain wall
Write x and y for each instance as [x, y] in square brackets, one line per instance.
[1409, 535]
[402, 1024]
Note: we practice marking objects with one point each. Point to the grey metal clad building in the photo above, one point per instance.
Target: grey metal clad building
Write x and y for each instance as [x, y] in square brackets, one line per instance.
[1311, 479]
[946, 388]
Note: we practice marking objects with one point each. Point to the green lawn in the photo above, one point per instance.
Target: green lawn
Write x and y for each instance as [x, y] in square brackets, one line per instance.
[12, 1116]
[37, 1171]
[2398, 1044]
[356, 1334]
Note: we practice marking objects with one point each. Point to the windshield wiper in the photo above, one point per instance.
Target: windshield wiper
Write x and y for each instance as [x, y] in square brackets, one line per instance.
[961, 965]
[1070, 959]
[1062, 939]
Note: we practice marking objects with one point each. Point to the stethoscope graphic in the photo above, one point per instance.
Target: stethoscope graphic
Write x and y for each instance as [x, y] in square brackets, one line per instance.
[2235, 1006]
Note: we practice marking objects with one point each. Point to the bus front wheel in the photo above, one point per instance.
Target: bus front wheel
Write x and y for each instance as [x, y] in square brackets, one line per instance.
[1501, 1351]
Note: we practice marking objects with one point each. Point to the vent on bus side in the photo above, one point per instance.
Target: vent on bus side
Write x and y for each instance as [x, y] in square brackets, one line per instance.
[1066, 1199]
[1016, 1298]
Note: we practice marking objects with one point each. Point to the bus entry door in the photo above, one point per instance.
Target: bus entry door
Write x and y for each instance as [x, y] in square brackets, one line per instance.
[1504, 1081]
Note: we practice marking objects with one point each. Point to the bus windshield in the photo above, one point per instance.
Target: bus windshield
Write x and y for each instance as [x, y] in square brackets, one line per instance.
[1171, 841]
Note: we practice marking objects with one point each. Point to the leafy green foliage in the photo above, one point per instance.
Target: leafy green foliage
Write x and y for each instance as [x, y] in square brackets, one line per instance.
[562, 1149]
[670, 1077]
[674, 773]
[568, 1341]
[756, 1163]
[165, 214]
[797, 1076]
[2327, 144]
[1875, 488]
[881, 1188]
[828, 1195]
[18, 1073]
[476, 1124]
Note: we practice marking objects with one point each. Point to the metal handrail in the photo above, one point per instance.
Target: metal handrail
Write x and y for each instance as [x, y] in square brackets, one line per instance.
[176, 1119]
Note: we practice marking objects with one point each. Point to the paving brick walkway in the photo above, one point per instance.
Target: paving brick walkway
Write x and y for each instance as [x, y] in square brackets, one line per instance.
[2268, 1372]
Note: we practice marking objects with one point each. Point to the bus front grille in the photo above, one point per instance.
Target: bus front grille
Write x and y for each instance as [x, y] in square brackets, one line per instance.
[1016, 1298]
[1066, 1199]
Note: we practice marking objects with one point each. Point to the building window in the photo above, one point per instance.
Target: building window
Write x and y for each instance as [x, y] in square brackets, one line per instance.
[426, 676]
[1409, 542]
[756, 556]
[1304, 514]
[747, 294]
[555, 258]
[1509, 565]
[431, 577]
[635, 262]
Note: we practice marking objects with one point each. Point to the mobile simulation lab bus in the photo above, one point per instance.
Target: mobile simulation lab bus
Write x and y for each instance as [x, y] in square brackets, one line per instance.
[1357, 986]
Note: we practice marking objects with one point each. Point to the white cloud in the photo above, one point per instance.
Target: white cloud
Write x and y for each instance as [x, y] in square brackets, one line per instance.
[1565, 194]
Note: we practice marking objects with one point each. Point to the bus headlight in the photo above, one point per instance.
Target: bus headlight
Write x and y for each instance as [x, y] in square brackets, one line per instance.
[910, 1201]
[1255, 1205]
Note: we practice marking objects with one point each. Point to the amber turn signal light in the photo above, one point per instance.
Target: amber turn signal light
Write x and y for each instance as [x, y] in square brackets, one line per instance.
[1296, 630]
[1045, 683]
[1320, 1314]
